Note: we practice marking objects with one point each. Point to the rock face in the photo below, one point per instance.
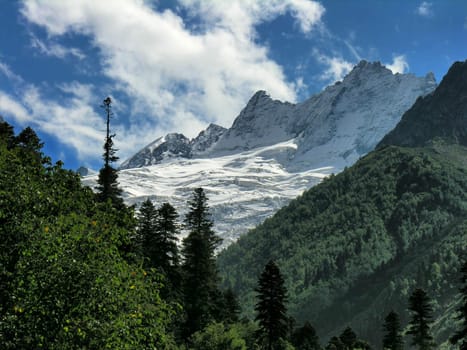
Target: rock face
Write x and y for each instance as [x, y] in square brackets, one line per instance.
[442, 114]
[274, 150]
[175, 146]
[171, 146]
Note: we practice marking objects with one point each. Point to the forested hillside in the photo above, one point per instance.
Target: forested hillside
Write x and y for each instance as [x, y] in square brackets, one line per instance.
[355, 246]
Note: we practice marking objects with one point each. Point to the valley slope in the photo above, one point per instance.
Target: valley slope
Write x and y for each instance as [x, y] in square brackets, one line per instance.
[355, 246]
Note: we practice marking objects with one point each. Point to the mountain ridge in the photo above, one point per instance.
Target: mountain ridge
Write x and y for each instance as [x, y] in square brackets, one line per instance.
[312, 123]
[441, 114]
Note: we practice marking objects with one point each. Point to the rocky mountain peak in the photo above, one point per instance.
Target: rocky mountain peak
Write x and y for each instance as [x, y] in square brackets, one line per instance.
[171, 146]
[441, 114]
[343, 122]
[207, 138]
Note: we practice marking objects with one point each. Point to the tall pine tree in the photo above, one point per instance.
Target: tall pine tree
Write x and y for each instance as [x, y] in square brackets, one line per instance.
[200, 275]
[461, 335]
[392, 339]
[7, 133]
[157, 242]
[107, 181]
[271, 310]
[165, 253]
[421, 318]
[146, 226]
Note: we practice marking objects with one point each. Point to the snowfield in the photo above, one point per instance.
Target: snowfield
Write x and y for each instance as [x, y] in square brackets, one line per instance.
[243, 189]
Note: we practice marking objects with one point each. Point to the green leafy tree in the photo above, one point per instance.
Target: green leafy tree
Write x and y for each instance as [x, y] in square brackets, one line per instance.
[74, 290]
[392, 339]
[217, 336]
[107, 181]
[65, 282]
[461, 335]
[305, 338]
[200, 276]
[270, 308]
[421, 318]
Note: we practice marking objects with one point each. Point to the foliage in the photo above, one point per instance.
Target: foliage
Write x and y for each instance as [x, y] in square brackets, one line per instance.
[200, 276]
[419, 327]
[371, 233]
[66, 280]
[461, 335]
[348, 338]
[108, 186]
[145, 231]
[392, 339]
[271, 310]
[305, 338]
[217, 336]
[165, 253]
[231, 308]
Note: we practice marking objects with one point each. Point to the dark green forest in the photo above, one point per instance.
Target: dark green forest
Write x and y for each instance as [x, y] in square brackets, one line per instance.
[355, 246]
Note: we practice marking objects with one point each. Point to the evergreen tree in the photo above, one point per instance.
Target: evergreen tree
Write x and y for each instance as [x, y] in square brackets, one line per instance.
[348, 338]
[461, 335]
[146, 227]
[361, 345]
[393, 332]
[107, 180]
[29, 140]
[305, 338]
[7, 134]
[200, 276]
[165, 250]
[419, 326]
[30, 146]
[335, 344]
[270, 308]
[157, 242]
[231, 308]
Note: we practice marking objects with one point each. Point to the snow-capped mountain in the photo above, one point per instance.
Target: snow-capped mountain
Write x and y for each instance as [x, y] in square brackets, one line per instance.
[274, 150]
[175, 146]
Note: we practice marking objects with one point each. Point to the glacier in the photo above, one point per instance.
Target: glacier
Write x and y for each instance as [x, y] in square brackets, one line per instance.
[274, 150]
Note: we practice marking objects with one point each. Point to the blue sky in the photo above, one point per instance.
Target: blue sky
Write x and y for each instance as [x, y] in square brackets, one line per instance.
[176, 66]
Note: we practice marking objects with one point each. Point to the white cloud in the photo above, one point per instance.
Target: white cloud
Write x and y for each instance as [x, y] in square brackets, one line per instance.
[179, 78]
[54, 49]
[72, 119]
[337, 67]
[9, 107]
[425, 9]
[399, 64]
[6, 70]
